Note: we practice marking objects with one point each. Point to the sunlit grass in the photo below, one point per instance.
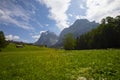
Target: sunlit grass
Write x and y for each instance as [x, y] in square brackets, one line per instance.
[38, 63]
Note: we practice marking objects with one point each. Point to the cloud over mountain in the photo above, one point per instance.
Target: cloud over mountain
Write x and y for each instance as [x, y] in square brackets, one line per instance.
[57, 11]
[25, 17]
[47, 38]
[36, 37]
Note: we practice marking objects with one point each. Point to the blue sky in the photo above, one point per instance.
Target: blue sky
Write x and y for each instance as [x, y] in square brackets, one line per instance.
[25, 20]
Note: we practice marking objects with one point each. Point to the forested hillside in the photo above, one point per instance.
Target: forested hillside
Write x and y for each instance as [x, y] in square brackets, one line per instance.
[106, 35]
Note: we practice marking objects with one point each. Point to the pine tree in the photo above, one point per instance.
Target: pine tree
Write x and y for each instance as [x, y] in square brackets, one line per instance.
[69, 42]
[2, 40]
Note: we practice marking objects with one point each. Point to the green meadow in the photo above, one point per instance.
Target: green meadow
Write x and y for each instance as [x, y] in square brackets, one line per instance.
[40, 63]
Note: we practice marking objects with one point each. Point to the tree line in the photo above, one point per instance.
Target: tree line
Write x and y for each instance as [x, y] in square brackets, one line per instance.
[3, 42]
[106, 35]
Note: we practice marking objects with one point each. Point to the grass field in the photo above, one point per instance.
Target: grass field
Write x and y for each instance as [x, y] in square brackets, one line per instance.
[39, 63]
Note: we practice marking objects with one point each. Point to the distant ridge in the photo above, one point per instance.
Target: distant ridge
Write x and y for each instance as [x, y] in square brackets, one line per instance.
[79, 27]
[47, 38]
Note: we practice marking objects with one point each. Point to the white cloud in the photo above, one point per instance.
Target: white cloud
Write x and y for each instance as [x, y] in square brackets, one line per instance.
[36, 37]
[98, 9]
[57, 10]
[9, 12]
[80, 17]
[70, 15]
[42, 32]
[11, 37]
[77, 17]
[82, 7]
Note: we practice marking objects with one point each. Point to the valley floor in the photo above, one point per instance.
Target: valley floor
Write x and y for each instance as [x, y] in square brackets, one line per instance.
[37, 63]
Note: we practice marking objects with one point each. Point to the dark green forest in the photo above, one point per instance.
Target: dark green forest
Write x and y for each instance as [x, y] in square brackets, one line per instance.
[3, 42]
[106, 35]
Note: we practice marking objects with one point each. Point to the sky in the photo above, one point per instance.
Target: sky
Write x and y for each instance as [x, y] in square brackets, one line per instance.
[25, 20]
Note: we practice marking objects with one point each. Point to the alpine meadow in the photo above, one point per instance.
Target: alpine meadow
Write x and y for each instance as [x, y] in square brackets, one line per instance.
[59, 39]
[40, 63]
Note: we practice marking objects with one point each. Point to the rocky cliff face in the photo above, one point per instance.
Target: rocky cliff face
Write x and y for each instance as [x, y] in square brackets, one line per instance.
[47, 38]
[79, 27]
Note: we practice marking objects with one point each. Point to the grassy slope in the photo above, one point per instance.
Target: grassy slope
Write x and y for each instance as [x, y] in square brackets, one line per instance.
[35, 63]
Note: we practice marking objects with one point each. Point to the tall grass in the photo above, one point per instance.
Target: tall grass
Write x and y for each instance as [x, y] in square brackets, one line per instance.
[38, 63]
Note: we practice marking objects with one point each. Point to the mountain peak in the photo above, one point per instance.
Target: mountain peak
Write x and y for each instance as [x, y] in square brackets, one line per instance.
[80, 21]
[47, 38]
[79, 27]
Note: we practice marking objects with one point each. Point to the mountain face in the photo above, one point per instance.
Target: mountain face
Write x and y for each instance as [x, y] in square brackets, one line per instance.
[47, 38]
[79, 27]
